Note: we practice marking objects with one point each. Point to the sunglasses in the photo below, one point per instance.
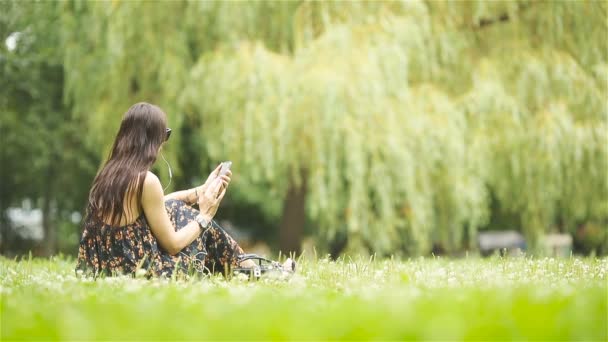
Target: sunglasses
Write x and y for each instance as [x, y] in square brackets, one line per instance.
[168, 132]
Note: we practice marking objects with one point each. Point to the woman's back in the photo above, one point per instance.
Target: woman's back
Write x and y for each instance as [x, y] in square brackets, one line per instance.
[107, 250]
[132, 211]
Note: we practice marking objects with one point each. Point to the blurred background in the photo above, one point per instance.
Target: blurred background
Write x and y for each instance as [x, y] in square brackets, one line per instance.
[399, 128]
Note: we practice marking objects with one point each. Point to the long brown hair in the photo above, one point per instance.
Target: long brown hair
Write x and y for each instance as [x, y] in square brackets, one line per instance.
[141, 134]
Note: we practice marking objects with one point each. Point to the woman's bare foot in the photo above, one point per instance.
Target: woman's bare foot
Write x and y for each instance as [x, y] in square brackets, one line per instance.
[289, 265]
[247, 264]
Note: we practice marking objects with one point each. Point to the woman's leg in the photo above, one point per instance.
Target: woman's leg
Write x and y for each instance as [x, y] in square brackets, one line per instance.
[214, 248]
[222, 249]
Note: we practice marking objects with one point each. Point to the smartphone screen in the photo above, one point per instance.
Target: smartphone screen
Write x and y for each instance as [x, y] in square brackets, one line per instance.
[223, 170]
[225, 167]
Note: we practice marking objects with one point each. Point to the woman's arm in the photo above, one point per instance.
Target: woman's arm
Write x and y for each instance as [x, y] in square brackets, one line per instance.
[192, 195]
[189, 196]
[153, 203]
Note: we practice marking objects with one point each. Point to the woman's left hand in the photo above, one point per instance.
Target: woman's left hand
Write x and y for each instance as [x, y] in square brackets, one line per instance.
[226, 179]
[213, 175]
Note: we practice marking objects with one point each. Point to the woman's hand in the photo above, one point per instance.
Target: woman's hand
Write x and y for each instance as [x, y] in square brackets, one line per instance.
[195, 194]
[210, 199]
[213, 176]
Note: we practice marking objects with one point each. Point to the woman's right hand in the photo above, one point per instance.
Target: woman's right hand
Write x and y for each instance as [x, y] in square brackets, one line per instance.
[211, 197]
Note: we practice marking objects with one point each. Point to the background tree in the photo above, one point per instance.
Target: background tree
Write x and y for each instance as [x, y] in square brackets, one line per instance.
[394, 124]
[406, 117]
[41, 155]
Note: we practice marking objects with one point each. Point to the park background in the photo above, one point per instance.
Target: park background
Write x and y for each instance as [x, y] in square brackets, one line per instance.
[390, 128]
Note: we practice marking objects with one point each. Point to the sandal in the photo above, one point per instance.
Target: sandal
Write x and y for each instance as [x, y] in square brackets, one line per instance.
[264, 267]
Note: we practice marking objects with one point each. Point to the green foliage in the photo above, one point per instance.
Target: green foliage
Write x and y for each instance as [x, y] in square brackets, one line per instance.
[405, 117]
[403, 120]
[469, 299]
[42, 156]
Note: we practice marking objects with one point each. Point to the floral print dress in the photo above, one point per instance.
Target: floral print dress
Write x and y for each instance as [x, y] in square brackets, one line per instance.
[106, 250]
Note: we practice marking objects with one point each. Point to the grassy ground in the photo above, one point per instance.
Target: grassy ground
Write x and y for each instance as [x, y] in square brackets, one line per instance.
[473, 299]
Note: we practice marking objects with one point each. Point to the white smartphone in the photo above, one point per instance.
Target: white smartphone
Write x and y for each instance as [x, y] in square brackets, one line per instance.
[225, 168]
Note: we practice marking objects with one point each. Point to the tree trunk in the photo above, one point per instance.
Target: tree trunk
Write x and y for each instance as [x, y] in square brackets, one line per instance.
[338, 244]
[49, 242]
[294, 217]
[50, 235]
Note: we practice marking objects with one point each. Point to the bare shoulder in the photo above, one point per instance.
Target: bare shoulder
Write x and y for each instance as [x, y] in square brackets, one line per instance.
[151, 179]
[152, 184]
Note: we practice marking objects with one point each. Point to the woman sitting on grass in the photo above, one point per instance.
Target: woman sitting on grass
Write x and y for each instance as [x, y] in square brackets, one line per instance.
[130, 224]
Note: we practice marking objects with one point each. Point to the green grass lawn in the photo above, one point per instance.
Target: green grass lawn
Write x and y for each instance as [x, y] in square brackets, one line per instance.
[441, 299]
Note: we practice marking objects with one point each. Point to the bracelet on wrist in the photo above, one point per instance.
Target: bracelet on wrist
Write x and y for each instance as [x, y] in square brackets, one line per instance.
[203, 223]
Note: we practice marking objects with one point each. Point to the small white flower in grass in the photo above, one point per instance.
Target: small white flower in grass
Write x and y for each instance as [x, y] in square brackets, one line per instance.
[241, 277]
[220, 283]
[133, 286]
[298, 281]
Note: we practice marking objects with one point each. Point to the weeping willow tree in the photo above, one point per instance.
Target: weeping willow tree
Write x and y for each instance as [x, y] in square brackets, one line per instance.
[391, 122]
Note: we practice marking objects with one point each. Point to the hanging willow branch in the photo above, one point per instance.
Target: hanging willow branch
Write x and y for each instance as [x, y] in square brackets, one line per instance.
[404, 116]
